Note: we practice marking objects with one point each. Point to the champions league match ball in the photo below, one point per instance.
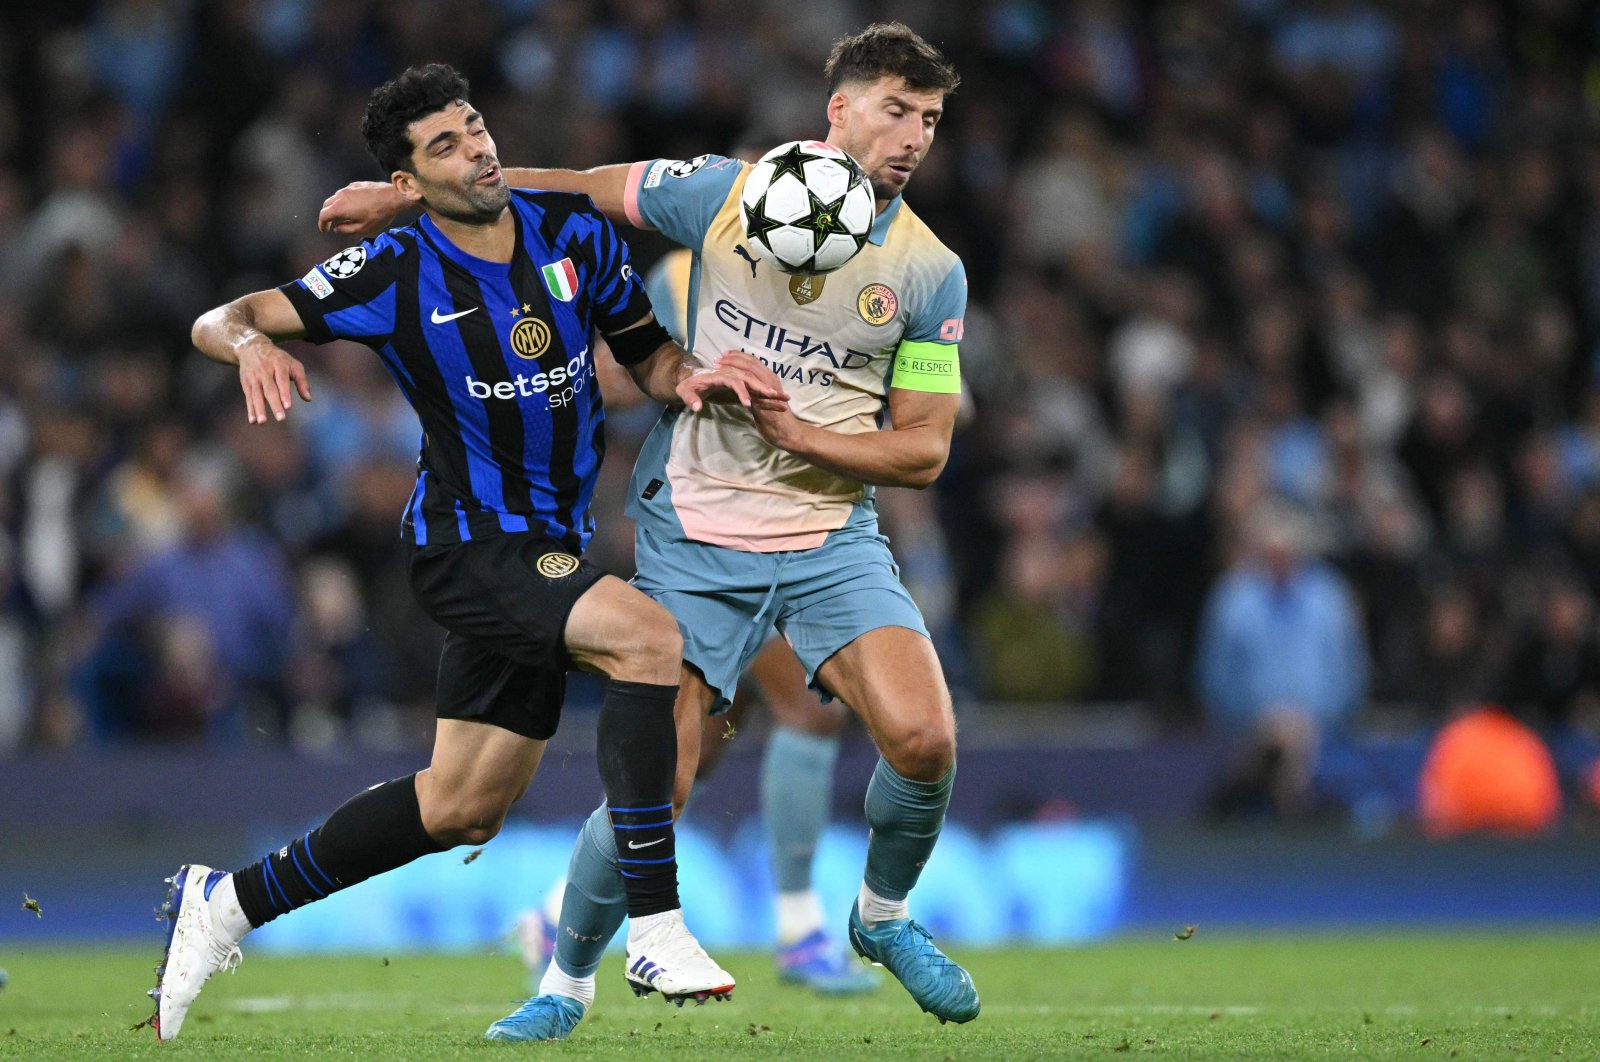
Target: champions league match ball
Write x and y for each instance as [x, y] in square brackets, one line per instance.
[807, 207]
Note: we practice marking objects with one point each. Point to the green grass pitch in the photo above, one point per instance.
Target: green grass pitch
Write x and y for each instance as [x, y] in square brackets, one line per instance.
[1216, 995]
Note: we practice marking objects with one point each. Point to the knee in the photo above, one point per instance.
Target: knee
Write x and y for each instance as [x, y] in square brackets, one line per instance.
[924, 754]
[654, 650]
[459, 821]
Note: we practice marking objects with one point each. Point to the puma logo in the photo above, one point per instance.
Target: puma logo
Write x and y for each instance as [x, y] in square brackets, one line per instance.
[739, 250]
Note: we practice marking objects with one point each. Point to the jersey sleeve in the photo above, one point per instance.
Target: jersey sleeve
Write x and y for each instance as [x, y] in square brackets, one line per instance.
[351, 295]
[668, 285]
[928, 358]
[617, 296]
[679, 198]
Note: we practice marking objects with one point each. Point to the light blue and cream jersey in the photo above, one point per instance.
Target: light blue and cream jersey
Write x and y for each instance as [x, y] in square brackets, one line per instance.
[891, 317]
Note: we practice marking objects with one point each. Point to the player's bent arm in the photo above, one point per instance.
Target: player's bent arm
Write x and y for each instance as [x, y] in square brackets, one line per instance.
[365, 208]
[246, 332]
[606, 185]
[912, 453]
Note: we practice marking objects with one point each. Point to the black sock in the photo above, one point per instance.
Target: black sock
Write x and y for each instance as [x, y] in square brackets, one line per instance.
[376, 830]
[638, 752]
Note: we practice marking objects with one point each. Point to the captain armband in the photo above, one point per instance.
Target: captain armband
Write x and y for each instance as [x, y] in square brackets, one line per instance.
[638, 343]
[931, 367]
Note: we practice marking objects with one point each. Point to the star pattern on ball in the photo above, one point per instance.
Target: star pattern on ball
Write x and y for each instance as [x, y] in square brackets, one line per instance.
[791, 161]
[824, 220]
[760, 226]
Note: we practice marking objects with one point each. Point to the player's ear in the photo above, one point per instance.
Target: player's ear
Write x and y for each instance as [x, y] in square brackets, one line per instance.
[838, 107]
[405, 183]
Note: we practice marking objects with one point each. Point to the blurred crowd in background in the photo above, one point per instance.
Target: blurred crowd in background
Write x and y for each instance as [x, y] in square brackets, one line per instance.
[1283, 345]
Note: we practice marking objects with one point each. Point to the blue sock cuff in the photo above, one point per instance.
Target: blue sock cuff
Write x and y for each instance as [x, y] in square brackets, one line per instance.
[896, 781]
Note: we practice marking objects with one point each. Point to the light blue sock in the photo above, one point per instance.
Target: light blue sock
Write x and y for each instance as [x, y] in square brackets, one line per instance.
[796, 794]
[595, 901]
[905, 817]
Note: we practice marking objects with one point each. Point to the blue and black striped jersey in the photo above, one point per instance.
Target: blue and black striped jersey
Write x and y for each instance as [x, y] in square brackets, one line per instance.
[496, 358]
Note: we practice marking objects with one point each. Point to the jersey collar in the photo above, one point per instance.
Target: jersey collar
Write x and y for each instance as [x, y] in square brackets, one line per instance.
[471, 263]
[881, 223]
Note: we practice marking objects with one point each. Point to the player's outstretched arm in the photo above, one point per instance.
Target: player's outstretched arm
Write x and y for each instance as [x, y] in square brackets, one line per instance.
[366, 208]
[246, 333]
[668, 373]
[911, 453]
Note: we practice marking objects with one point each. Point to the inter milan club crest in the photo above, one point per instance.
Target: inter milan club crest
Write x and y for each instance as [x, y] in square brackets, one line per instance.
[556, 565]
[347, 263]
[530, 337]
[562, 280]
[806, 288]
[877, 304]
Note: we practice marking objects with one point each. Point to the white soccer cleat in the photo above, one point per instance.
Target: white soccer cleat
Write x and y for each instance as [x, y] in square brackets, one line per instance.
[196, 947]
[664, 957]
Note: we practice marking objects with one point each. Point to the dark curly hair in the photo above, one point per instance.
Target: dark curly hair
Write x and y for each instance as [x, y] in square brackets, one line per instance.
[890, 49]
[394, 105]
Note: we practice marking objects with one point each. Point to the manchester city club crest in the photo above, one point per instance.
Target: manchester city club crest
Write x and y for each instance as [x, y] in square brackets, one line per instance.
[877, 304]
[347, 263]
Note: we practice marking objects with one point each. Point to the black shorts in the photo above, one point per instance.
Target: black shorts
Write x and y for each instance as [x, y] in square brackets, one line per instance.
[504, 603]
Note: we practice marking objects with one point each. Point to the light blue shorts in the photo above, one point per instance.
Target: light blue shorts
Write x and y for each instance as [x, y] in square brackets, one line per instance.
[727, 602]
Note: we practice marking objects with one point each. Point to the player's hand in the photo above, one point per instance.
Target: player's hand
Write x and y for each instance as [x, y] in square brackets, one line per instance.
[361, 208]
[777, 423]
[745, 381]
[763, 382]
[708, 385]
[270, 375]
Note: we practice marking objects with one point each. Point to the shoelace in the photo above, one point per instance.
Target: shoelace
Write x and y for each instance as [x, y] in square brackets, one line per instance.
[924, 943]
[230, 958]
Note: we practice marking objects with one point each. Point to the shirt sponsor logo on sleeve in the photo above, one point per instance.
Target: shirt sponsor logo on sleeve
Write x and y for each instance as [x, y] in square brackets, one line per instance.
[317, 284]
[652, 176]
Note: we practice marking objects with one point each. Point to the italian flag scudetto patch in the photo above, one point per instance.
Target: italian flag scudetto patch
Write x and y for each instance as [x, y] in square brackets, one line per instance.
[561, 279]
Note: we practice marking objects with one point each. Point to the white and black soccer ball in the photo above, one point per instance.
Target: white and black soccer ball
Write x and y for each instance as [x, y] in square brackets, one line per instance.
[807, 207]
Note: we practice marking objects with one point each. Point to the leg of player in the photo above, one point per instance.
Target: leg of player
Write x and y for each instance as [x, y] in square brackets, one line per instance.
[796, 795]
[891, 677]
[477, 772]
[619, 631]
[594, 903]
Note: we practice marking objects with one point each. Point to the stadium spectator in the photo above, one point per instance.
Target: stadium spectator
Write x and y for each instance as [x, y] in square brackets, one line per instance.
[1281, 664]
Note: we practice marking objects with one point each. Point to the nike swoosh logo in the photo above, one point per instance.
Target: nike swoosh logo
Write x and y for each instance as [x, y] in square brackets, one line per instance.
[647, 844]
[439, 318]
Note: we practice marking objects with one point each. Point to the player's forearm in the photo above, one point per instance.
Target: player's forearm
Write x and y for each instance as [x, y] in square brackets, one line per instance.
[606, 185]
[225, 333]
[890, 458]
[659, 375]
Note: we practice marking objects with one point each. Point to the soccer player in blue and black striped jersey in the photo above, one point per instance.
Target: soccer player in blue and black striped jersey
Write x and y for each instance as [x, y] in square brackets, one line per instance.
[484, 312]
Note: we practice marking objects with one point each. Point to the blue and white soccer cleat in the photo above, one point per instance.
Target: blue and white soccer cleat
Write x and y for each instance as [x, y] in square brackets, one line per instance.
[906, 950]
[196, 947]
[820, 964]
[664, 957]
[536, 940]
[539, 1018]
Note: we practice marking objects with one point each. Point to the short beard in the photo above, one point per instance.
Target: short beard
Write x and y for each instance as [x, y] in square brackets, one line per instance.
[885, 191]
[476, 206]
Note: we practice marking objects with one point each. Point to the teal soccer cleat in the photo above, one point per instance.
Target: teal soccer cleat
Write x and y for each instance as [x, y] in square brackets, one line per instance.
[905, 949]
[539, 1018]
